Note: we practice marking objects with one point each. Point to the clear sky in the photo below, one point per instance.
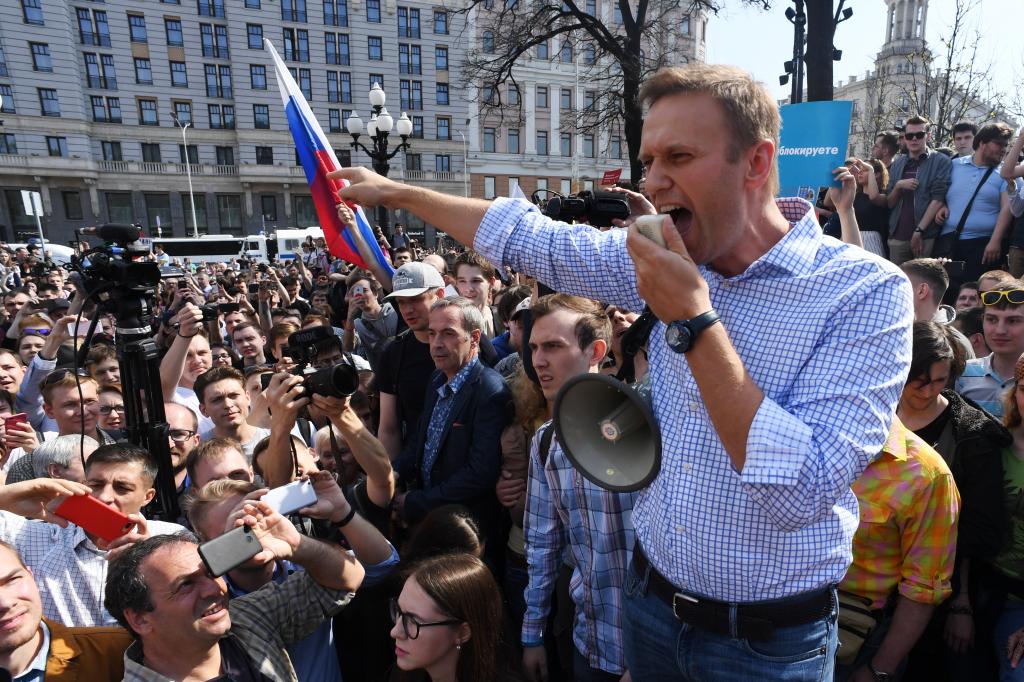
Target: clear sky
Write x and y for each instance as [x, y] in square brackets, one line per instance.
[761, 41]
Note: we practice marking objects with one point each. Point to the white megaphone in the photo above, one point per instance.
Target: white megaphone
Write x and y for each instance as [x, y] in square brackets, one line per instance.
[608, 431]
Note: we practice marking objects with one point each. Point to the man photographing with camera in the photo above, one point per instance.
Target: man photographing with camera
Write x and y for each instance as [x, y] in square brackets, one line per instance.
[776, 367]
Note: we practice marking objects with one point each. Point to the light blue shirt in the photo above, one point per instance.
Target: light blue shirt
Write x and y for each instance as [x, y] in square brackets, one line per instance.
[36, 671]
[964, 179]
[980, 383]
[824, 329]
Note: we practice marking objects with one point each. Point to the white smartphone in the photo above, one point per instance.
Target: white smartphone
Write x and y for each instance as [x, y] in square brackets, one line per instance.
[650, 227]
[290, 498]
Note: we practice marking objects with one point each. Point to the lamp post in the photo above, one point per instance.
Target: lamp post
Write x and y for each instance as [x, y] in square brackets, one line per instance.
[465, 164]
[379, 128]
[188, 172]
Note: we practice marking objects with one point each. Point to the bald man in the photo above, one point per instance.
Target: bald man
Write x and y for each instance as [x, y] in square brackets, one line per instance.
[183, 434]
[438, 263]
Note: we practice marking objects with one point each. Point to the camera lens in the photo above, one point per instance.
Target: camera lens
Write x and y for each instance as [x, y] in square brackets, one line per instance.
[334, 382]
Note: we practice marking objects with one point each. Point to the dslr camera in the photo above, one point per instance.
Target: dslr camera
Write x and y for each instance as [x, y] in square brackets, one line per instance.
[337, 381]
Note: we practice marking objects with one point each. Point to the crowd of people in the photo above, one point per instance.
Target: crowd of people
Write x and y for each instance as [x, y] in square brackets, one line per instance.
[843, 448]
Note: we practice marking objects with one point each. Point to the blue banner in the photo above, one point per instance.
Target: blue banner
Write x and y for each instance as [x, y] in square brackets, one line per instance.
[814, 140]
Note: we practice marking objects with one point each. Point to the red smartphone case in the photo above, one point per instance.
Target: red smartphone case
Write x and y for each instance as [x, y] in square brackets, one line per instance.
[95, 517]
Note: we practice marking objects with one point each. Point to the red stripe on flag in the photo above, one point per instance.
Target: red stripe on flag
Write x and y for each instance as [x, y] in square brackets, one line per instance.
[325, 198]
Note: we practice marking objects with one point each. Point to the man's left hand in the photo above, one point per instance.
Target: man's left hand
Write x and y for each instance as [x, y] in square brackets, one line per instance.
[668, 278]
[330, 500]
[276, 533]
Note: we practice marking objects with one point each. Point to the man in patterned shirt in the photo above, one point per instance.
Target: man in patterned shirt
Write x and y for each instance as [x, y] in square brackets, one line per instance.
[564, 510]
[903, 550]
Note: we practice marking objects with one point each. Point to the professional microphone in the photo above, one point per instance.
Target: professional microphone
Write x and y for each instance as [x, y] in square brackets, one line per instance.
[114, 232]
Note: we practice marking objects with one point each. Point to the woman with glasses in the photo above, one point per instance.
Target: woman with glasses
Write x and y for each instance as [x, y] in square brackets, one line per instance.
[448, 622]
[111, 408]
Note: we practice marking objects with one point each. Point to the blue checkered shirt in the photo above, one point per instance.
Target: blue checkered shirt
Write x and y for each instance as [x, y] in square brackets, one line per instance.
[980, 383]
[823, 328]
[439, 417]
[566, 511]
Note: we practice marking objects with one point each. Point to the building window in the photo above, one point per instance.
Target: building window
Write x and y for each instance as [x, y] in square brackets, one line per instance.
[337, 48]
[592, 7]
[200, 218]
[408, 23]
[106, 111]
[444, 128]
[7, 93]
[143, 72]
[172, 27]
[589, 53]
[417, 127]
[411, 94]
[151, 152]
[377, 78]
[513, 94]
[489, 96]
[41, 57]
[268, 207]
[93, 28]
[265, 156]
[296, 45]
[258, 76]
[373, 11]
[334, 120]
[618, 13]
[440, 22]
[179, 76]
[57, 146]
[684, 26]
[373, 48]
[542, 142]
[72, 205]
[3, 63]
[190, 156]
[615, 150]
[489, 139]
[305, 82]
[442, 163]
[8, 145]
[488, 42]
[49, 105]
[218, 81]
[566, 101]
[99, 73]
[409, 59]
[214, 40]
[542, 183]
[542, 50]
[222, 116]
[158, 212]
[261, 116]
[210, 8]
[589, 98]
[252, 4]
[148, 113]
[32, 11]
[255, 33]
[293, 10]
[413, 162]
[229, 208]
[137, 28]
[542, 97]
[489, 187]
[442, 93]
[111, 151]
[565, 54]
[303, 210]
[119, 207]
[183, 112]
[513, 141]
[565, 142]
[588, 146]
[336, 12]
[225, 156]
[441, 58]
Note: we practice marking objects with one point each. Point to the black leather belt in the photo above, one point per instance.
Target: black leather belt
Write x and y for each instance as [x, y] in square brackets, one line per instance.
[753, 620]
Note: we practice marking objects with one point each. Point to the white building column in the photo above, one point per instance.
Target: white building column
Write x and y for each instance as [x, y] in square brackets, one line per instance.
[529, 94]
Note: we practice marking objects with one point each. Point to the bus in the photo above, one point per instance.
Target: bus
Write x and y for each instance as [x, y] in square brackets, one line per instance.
[211, 248]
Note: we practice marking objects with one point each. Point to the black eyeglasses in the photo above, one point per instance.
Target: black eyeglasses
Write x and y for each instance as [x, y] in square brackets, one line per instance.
[1013, 296]
[410, 625]
[915, 136]
[107, 409]
[180, 435]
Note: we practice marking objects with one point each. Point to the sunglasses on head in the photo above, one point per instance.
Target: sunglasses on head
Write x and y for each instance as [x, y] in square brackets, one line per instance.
[915, 136]
[1012, 296]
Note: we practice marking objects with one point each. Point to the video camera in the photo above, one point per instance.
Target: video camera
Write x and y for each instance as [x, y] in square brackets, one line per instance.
[593, 208]
[337, 381]
[117, 270]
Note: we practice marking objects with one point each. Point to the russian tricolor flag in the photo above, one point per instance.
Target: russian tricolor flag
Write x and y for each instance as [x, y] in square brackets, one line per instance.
[318, 160]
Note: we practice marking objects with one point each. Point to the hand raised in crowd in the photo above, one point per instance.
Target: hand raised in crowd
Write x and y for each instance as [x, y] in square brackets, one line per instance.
[286, 399]
[327, 406]
[844, 195]
[278, 536]
[331, 503]
[366, 188]
[34, 498]
[638, 205]
[21, 435]
[190, 320]
[346, 214]
[117, 546]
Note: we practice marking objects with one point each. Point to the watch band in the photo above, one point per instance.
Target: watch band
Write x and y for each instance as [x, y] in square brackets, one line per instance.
[702, 322]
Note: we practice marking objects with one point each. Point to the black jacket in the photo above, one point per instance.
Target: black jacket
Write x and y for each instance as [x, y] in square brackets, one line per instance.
[469, 456]
[972, 445]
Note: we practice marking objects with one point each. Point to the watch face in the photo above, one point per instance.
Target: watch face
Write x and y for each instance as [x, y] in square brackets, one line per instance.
[678, 337]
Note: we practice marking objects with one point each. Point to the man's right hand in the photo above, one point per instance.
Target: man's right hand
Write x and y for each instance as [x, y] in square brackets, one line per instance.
[509, 489]
[190, 320]
[638, 205]
[285, 398]
[32, 498]
[535, 663]
[366, 188]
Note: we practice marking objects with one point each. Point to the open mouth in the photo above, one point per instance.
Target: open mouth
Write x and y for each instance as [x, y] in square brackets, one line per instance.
[214, 610]
[683, 219]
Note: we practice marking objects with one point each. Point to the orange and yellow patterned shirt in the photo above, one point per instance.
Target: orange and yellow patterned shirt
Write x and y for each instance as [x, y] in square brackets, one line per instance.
[909, 506]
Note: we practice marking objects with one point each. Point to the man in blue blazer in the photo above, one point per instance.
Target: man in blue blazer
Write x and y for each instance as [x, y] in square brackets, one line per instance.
[455, 457]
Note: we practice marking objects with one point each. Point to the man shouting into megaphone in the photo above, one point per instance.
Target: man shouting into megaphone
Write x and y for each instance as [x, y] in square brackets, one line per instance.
[776, 367]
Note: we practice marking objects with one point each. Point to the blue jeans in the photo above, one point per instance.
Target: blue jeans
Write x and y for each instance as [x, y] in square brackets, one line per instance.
[660, 648]
[583, 672]
[1010, 620]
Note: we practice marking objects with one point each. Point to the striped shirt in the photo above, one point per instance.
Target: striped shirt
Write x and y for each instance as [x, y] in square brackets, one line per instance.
[909, 507]
[980, 383]
[822, 328]
[566, 511]
[70, 570]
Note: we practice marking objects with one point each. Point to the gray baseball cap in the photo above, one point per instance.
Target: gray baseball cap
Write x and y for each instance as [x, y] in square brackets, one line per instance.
[413, 279]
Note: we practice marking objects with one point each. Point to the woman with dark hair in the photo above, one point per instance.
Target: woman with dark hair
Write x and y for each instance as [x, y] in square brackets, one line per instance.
[971, 442]
[448, 623]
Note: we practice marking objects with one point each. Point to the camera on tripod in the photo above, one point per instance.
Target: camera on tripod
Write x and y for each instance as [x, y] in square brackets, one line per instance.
[336, 381]
[593, 208]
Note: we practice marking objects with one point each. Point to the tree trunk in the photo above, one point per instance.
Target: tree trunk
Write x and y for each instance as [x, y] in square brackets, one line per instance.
[818, 54]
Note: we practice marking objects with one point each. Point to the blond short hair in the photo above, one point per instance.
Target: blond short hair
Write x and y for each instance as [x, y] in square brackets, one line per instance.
[198, 502]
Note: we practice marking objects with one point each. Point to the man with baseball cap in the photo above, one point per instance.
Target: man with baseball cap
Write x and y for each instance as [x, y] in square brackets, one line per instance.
[406, 365]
